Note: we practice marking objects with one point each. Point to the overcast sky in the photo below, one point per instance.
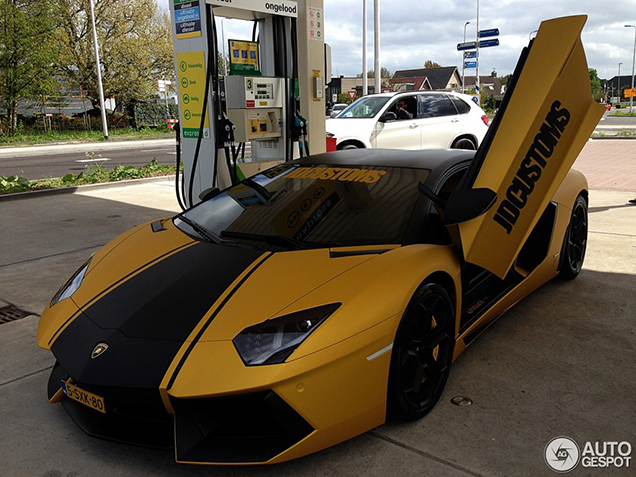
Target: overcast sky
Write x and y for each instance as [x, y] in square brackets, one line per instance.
[413, 31]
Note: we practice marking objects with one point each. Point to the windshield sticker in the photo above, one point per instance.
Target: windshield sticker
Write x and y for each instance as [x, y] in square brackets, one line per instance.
[317, 216]
[531, 167]
[368, 176]
[276, 171]
[307, 211]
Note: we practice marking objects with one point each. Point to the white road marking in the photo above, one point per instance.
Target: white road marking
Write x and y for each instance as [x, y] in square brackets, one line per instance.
[94, 160]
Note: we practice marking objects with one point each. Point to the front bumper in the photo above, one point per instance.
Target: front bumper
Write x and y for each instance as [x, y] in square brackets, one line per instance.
[227, 413]
[236, 429]
[247, 428]
[133, 416]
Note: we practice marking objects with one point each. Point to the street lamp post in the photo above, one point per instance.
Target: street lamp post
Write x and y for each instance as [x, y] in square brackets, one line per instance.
[376, 47]
[477, 87]
[619, 83]
[99, 73]
[464, 59]
[631, 98]
[365, 79]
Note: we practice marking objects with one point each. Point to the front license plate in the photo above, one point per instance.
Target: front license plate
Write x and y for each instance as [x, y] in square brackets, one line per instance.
[84, 397]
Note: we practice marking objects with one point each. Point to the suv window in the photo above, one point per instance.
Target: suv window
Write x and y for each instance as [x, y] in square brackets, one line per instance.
[432, 106]
[366, 107]
[462, 107]
[411, 106]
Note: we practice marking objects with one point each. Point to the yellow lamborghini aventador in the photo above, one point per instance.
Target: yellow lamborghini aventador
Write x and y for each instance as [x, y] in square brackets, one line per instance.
[298, 308]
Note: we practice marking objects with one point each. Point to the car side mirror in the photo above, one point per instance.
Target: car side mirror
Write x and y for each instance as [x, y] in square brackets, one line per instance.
[388, 116]
[467, 204]
[209, 193]
[463, 204]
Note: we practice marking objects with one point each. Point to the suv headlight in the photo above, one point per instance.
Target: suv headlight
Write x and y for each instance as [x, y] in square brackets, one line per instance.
[272, 341]
[72, 284]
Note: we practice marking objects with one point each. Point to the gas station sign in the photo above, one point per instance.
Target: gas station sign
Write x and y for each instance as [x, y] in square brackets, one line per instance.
[187, 18]
[191, 77]
[284, 8]
[243, 57]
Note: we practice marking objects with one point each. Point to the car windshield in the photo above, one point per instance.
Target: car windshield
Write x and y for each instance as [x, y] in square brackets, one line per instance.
[308, 206]
[366, 107]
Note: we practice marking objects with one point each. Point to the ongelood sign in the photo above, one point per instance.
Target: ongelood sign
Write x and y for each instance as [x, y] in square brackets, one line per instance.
[285, 8]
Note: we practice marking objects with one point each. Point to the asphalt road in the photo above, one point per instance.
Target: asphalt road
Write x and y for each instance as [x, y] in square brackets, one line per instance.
[620, 120]
[40, 162]
[617, 123]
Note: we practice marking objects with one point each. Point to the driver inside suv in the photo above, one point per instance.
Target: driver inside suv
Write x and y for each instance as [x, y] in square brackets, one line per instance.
[406, 108]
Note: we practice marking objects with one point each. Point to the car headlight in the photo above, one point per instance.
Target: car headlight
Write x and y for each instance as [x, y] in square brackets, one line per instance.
[272, 341]
[72, 284]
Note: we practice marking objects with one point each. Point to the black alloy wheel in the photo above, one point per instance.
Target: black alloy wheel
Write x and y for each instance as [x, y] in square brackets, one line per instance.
[464, 143]
[422, 353]
[348, 146]
[575, 242]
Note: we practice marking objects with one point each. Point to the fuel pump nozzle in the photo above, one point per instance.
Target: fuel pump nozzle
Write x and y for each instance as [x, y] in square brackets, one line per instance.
[227, 128]
[305, 132]
[299, 124]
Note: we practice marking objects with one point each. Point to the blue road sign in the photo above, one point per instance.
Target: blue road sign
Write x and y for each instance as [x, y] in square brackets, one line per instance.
[487, 33]
[469, 45]
[487, 43]
[470, 54]
[470, 64]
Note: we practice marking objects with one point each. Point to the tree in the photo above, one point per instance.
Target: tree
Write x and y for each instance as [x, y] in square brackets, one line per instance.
[344, 98]
[488, 102]
[135, 43]
[27, 53]
[505, 79]
[597, 90]
[384, 73]
[431, 64]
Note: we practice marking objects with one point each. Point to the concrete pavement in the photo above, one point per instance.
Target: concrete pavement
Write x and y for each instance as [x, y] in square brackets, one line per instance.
[560, 363]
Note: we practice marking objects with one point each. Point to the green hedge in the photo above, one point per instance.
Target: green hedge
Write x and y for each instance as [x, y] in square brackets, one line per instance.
[152, 114]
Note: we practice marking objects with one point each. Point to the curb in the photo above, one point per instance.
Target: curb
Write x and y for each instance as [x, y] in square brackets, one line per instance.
[620, 138]
[70, 190]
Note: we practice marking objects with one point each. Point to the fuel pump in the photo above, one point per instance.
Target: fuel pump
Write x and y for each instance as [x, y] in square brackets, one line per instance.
[276, 80]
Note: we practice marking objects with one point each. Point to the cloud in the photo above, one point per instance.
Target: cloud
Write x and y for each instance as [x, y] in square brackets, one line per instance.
[413, 31]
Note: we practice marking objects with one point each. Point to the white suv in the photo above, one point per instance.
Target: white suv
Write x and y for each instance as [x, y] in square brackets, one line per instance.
[439, 120]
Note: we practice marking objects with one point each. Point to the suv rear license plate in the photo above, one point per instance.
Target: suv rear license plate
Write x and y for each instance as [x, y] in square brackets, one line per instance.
[84, 397]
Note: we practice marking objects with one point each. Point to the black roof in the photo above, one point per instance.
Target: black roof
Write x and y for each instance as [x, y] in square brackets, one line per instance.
[420, 159]
[437, 77]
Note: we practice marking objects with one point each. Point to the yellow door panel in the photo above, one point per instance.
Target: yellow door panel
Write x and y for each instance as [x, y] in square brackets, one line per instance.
[549, 116]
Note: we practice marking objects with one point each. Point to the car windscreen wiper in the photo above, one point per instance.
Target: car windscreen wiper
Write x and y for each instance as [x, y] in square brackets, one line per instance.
[200, 230]
[280, 240]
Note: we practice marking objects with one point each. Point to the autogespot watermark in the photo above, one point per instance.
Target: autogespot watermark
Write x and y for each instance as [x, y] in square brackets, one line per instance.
[563, 454]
